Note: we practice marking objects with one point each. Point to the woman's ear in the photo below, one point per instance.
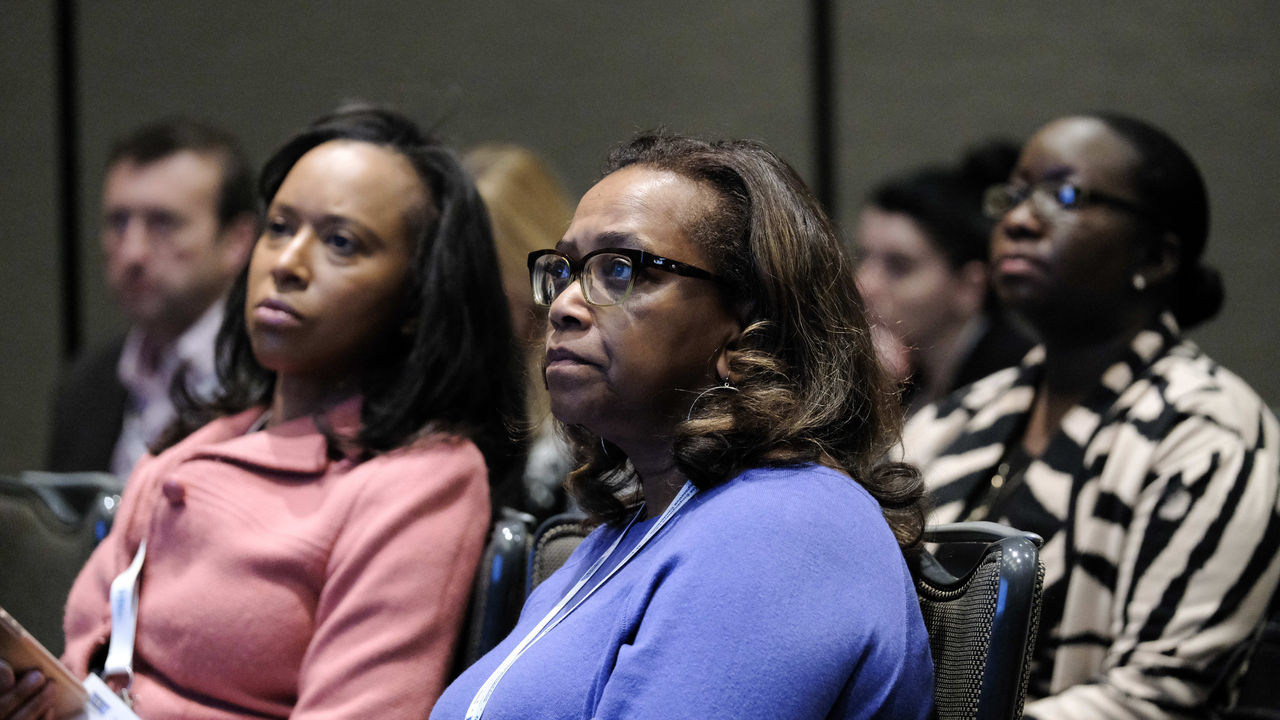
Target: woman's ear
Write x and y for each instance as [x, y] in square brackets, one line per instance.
[1161, 262]
[726, 355]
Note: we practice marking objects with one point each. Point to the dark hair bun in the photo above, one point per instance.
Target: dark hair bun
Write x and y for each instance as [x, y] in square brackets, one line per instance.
[1198, 297]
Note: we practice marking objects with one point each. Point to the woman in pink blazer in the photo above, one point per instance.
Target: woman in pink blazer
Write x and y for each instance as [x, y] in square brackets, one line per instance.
[308, 551]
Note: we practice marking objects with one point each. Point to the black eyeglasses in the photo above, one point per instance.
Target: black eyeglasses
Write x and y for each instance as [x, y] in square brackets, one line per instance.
[1050, 197]
[607, 274]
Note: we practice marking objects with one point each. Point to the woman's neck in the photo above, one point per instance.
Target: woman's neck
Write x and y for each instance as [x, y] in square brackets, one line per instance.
[1071, 372]
[296, 397]
[660, 479]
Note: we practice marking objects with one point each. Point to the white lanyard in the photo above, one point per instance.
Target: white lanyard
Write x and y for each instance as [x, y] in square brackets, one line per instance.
[550, 620]
[124, 622]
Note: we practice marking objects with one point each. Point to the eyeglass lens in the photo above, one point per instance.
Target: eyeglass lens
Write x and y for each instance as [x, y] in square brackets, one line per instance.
[606, 278]
[1046, 198]
[551, 275]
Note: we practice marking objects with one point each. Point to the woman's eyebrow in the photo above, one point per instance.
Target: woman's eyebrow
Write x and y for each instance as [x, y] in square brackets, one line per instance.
[618, 239]
[1057, 172]
[607, 239]
[364, 232]
[281, 207]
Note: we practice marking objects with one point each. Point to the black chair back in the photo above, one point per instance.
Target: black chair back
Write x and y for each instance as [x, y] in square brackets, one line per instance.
[49, 524]
[553, 543]
[982, 622]
[498, 591]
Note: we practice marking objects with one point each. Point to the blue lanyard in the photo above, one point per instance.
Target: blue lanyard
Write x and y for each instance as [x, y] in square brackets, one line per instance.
[550, 620]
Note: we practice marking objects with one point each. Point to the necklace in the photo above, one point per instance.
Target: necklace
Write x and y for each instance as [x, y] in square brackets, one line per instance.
[1008, 475]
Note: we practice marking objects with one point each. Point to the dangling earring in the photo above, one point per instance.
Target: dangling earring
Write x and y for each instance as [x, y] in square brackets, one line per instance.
[1139, 282]
[725, 384]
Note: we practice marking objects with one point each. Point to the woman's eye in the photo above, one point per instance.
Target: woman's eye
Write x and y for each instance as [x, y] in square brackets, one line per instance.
[1068, 195]
[342, 243]
[277, 226]
[618, 269]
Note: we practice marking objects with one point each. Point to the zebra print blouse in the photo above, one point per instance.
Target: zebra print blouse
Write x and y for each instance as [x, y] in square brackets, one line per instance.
[1157, 500]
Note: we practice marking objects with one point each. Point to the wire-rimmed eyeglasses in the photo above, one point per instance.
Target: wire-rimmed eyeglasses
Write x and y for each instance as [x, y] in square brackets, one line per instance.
[1050, 197]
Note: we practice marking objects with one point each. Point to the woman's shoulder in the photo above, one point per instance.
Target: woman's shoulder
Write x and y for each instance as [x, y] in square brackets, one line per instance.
[973, 416]
[437, 461]
[442, 483]
[216, 431]
[438, 450]
[806, 503]
[785, 487]
[220, 428]
[1187, 383]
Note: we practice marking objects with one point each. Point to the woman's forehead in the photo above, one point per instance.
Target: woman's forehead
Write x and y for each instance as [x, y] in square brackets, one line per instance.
[1083, 149]
[638, 206]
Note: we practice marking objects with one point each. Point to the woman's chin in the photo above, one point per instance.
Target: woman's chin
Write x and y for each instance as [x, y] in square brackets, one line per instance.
[568, 413]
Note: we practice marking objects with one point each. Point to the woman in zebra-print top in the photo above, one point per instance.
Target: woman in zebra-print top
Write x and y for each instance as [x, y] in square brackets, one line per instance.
[1150, 470]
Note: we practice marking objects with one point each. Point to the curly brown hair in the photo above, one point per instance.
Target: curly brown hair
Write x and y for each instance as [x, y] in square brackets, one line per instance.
[809, 388]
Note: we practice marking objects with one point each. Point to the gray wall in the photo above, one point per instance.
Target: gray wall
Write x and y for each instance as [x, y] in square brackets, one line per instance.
[29, 210]
[915, 82]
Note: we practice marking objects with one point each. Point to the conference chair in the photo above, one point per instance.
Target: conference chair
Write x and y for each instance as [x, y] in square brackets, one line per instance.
[498, 591]
[49, 524]
[982, 620]
[552, 544]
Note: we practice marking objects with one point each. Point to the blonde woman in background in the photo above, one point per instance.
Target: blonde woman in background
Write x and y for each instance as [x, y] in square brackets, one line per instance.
[529, 211]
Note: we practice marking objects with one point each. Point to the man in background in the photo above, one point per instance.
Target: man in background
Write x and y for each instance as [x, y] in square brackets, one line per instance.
[178, 224]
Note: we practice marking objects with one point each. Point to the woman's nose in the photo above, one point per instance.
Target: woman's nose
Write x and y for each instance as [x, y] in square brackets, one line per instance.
[569, 308]
[291, 267]
[1022, 220]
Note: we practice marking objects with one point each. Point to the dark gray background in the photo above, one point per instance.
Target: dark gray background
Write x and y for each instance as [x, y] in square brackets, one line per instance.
[913, 81]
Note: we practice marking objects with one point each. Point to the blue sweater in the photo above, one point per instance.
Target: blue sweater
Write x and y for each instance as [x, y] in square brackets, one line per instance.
[780, 594]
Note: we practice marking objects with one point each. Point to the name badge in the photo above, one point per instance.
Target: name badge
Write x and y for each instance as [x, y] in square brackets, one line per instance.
[103, 704]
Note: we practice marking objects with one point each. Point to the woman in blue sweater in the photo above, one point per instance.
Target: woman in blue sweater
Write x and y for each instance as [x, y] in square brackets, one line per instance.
[708, 356]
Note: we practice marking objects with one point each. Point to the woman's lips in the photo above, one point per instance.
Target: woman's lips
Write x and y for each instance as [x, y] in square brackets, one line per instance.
[565, 366]
[1019, 265]
[276, 313]
[560, 356]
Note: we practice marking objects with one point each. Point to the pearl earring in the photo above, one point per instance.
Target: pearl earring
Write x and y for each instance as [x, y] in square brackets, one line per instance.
[1139, 282]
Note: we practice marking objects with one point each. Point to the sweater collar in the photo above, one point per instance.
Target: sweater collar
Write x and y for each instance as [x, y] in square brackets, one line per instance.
[296, 447]
[1151, 343]
[1100, 406]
